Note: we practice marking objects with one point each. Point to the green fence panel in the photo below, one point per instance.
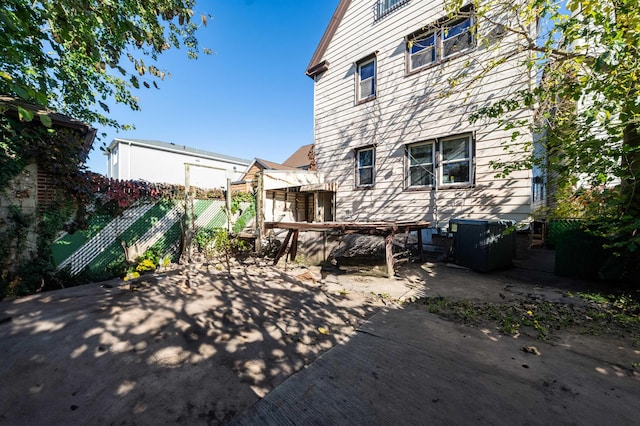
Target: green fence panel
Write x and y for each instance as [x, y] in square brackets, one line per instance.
[557, 227]
[114, 254]
[218, 221]
[70, 243]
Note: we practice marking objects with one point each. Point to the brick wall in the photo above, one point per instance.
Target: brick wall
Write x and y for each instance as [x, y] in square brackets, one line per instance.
[46, 189]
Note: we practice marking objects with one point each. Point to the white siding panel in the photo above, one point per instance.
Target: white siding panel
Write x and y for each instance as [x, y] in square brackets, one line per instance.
[408, 109]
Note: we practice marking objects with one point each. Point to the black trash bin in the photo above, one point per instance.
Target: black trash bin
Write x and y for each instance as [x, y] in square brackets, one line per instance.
[483, 245]
[579, 254]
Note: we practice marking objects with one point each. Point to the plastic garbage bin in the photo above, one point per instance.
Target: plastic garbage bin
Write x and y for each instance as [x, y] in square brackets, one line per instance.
[483, 245]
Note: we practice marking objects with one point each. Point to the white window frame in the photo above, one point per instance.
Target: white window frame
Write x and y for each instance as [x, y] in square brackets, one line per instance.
[440, 36]
[372, 79]
[446, 179]
[440, 162]
[430, 166]
[419, 53]
[445, 36]
[360, 167]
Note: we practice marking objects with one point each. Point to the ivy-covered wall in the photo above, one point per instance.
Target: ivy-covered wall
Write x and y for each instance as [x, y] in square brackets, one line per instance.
[18, 237]
[46, 193]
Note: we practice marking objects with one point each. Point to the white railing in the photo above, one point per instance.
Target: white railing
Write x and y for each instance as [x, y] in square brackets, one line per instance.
[385, 7]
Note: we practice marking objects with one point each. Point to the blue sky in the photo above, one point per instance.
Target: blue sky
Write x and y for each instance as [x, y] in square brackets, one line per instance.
[250, 98]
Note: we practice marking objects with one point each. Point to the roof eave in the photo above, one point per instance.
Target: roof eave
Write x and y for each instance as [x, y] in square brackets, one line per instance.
[87, 131]
[316, 64]
[317, 69]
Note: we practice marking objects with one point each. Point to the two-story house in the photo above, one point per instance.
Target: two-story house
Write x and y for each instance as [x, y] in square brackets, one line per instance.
[395, 83]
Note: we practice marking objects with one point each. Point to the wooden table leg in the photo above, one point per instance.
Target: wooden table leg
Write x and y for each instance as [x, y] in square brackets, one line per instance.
[388, 245]
[420, 245]
[283, 247]
[294, 246]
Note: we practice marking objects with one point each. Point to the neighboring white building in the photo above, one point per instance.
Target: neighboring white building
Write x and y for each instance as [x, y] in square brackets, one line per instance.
[163, 162]
[386, 134]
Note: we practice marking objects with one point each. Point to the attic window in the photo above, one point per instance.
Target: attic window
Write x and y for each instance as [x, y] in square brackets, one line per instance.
[385, 7]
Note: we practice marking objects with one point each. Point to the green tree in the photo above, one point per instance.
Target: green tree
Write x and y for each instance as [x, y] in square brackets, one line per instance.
[78, 56]
[75, 57]
[586, 56]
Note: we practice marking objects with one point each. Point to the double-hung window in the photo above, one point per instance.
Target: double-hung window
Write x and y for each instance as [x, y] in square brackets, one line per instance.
[455, 166]
[365, 164]
[457, 37]
[422, 51]
[442, 162]
[444, 40]
[421, 162]
[366, 78]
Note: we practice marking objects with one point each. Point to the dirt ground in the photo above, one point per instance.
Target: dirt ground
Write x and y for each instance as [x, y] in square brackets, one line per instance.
[197, 345]
[187, 346]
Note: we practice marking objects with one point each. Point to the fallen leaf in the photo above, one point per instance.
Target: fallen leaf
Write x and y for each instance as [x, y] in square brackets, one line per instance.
[531, 350]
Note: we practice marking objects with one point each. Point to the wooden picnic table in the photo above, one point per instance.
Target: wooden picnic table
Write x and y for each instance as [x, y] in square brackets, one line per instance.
[385, 229]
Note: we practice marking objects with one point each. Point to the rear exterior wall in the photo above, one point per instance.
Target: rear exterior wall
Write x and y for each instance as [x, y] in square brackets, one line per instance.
[411, 108]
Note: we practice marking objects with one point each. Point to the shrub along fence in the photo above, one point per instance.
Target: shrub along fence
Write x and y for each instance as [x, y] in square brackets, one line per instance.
[109, 245]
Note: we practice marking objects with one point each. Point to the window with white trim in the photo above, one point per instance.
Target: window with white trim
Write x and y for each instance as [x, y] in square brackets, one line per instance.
[444, 40]
[365, 167]
[455, 164]
[422, 51]
[366, 78]
[445, 162]
[421, 158]
[457, 37]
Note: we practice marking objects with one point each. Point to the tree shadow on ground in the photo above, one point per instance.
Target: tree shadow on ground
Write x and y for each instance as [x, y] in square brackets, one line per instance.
[192, 346]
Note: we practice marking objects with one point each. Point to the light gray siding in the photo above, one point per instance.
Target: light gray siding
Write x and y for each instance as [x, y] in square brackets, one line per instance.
[153, 162]
[411, 108]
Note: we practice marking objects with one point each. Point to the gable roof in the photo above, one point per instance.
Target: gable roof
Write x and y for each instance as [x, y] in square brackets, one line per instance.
[270, 165]
[300, 158]
[262, 165]
[317, 65]
[183, 149]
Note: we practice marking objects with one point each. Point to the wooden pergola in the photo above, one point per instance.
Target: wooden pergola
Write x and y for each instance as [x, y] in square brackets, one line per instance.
[384, 229]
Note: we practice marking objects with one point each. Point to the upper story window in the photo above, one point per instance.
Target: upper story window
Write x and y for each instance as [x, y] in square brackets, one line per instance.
[385, 7]
[445, 162]
[444, 40]
[365, 164]
[457, 37]
[366, 79]
[422, 51]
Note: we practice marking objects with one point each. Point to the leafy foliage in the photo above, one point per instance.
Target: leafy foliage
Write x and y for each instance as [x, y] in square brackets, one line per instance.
[587, 104]
[115, 196]
[59, 152]
[78, 57]
[610, 314]
[37, 274]
[249, 212]
[145, 265]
